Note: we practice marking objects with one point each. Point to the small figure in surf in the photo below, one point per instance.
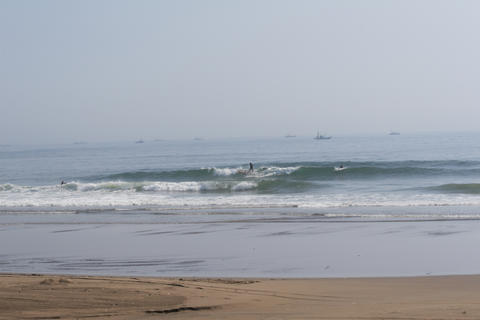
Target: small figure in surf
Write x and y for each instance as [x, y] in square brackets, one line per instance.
[341, 166]
[62, 183]
[251, 168]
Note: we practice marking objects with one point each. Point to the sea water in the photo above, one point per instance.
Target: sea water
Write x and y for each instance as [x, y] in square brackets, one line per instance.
[309, 208]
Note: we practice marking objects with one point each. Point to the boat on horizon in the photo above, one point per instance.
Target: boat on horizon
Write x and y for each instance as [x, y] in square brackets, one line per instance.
[394, 133]
[289, 135]
[322, 137]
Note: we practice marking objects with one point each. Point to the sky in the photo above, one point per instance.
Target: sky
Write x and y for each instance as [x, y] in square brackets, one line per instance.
[98, 70]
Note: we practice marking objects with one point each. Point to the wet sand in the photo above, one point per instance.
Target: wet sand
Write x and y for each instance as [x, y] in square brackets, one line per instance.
[78, 297]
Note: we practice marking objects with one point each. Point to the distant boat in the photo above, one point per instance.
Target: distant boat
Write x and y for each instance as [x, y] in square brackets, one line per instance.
[139, 141]
[289, 135]
[393, 133]
[198, 139]
[322, 137]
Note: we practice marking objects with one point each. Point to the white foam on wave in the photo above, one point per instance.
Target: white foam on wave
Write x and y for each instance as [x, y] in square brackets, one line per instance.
[6, 187]
[387, 200]
[101, 186]
[258, 172]
[226, 171]
[199, 186]
[173, 186]
[277, 171]
[189, 186]
[151, 186]
[405, 216]
[188, 194]
[243, 186]
[115, 193]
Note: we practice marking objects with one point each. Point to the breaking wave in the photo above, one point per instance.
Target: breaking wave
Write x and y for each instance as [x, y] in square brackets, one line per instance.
[162, 186]
[306, 184]
[197, 174]
[306, 171]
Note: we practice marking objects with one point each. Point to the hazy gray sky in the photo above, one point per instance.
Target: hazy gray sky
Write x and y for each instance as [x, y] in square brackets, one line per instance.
[122, 70]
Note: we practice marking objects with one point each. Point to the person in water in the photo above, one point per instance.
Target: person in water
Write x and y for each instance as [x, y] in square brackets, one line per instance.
[251, 168]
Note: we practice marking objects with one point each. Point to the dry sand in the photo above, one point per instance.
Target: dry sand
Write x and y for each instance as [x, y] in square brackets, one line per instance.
[79, 297]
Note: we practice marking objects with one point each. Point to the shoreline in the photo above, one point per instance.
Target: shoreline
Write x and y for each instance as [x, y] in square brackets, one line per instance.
[47, 296]
[247, 250]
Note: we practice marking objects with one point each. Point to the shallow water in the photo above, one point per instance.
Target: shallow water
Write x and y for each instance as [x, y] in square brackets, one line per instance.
[254, 247]
[403, 205]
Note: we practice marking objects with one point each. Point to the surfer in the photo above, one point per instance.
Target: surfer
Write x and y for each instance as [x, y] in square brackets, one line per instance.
[251, 168]
[62, 183]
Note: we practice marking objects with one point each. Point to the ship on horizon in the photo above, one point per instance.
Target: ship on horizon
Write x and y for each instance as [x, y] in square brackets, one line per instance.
[322, 137]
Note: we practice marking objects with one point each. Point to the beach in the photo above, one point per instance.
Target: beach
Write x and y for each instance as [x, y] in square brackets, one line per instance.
[81, 297]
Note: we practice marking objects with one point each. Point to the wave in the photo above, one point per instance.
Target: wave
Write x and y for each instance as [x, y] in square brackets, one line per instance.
[268, 186]
[263, 186]
[328, 205]
[233, 193]
[304, 171]
[145, 186]
[311, 181]
[192, 174]
[196, 174]
[363, 172]
[207, 186]
[465, 188]
[6, 187]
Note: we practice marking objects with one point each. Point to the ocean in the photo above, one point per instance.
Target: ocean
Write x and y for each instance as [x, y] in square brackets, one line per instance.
[206, 216]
